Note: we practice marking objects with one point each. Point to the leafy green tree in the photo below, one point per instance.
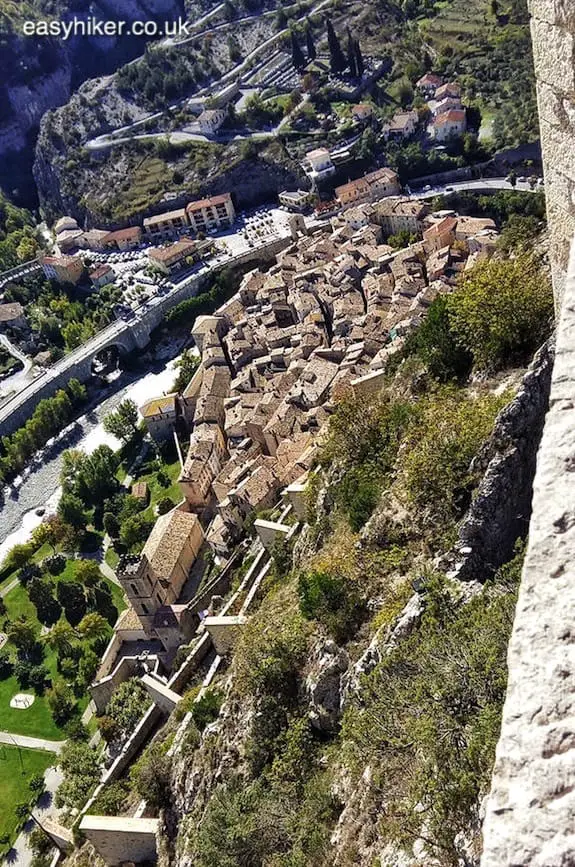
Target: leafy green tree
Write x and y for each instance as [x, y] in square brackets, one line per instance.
[22, 634]
[309, 41]
[297, 54]
[87, 668]
[207, 708]
[6, 665]
[81, 769]
[502, 309]
[151, 776]
[136, 530]
[359, 62]
[186, 366]
[77, 391]
[60, 638]
[111, 525]
[91, 477]
[73, 512]
[73, 600]
[61, 702]
[18, 556]
[41, 594]
[128, 704]
[38, 677]
[123, 423]
[93, 626]
[519, 233]
[435, 343]
[367, 145]
[166, 504]
[51, 531]
[351, 55]
[100, 598]
[88, 573]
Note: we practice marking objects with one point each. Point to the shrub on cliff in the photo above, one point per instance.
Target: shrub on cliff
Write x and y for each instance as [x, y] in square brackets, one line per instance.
[434, 465]
[333, 600]
[427, 718]
[502, 310]
[436, 345]
[151, 777]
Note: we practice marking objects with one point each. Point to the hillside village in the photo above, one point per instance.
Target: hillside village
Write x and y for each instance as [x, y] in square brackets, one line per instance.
[215, 628]
[319, 324]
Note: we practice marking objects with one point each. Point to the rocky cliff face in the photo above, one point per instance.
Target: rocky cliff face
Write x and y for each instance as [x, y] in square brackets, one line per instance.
[501, 509]
[39, 74]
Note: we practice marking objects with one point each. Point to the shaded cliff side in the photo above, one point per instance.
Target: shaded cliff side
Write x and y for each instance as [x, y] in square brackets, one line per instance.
[38, 74]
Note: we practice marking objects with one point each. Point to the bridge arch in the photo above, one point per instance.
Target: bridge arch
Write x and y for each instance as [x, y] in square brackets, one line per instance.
[106, 358]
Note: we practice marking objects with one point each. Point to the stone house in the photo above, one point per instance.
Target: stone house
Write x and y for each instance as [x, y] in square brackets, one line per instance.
[160, 416]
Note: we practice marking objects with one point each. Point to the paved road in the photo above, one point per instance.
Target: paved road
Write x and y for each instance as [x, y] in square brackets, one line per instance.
[22, 377]
[478, 185]
[12, 740]
[105, 141]
[20, 855]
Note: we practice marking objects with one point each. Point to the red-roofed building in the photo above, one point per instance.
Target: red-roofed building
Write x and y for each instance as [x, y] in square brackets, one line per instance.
[446, 90]
[441, 233]
[214, 213]
[124, 239]
[101, 276]
[429, 83]
[450, 124]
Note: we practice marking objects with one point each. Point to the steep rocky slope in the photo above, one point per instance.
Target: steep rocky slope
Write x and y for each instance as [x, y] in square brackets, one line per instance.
[368, 744]
[39, 74]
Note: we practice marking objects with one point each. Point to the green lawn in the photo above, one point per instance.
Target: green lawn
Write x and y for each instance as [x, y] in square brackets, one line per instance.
[37, 721]
[157, 491]
[17, 767]
[112, 557]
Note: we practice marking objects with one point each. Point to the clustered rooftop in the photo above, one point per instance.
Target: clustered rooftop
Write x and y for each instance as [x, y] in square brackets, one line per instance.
[319, 324]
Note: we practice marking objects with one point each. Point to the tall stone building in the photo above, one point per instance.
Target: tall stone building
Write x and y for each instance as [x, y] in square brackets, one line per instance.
[553, 34]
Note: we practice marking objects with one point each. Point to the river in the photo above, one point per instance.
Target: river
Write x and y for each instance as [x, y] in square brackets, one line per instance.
[40, 487]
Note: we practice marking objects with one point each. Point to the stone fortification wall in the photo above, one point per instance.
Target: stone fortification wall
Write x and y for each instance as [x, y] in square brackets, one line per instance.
[530, 818]
[530, 813]
[553, 33]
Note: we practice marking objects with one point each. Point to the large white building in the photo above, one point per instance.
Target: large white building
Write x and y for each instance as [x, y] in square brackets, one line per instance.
[318, 164]
[214, 213]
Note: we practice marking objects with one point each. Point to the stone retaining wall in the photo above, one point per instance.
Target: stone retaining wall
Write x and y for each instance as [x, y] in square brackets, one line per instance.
[553, 34]
[530, 817]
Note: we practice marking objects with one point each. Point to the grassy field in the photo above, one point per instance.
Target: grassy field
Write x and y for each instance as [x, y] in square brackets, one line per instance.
[37, 721]
[17, 767]
[157, 491]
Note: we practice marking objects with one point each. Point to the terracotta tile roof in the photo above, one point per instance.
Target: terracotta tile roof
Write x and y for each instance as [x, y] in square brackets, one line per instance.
[159, 405]
[179, 214]
[454, 115]
[131, 233]
[168, 539]
[174, 251]
[222, 199]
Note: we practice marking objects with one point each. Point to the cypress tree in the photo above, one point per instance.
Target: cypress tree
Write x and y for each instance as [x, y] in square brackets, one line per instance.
[297, 56]
[337, 60]
[351, 54]
[310, 44]
[359, 64]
